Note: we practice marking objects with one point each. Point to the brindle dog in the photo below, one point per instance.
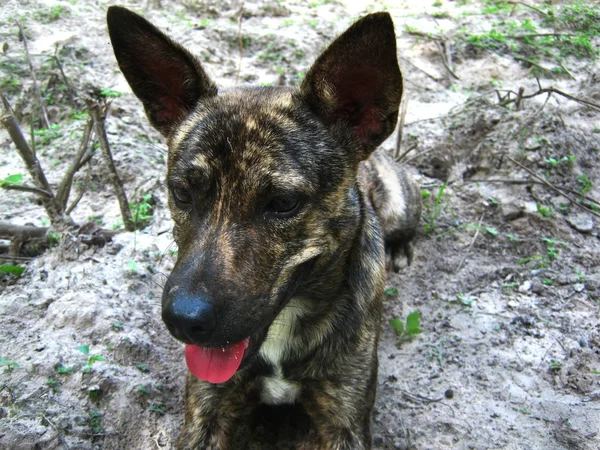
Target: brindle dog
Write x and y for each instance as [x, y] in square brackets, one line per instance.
[281, 205]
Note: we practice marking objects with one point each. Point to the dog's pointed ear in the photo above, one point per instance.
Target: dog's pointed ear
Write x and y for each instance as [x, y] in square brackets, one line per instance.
[162, 74]
[356, 85]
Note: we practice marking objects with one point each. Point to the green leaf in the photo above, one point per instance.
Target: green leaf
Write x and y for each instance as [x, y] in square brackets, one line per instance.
[12, 179]
[95, 358]
[9, 268]
[413, 323]
[85, 349]
[398, 326]
[143, 367]
[492, 231]
[391, 291]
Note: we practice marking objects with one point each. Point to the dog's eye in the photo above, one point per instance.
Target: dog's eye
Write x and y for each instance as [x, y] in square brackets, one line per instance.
[182, 195]
[284, 206]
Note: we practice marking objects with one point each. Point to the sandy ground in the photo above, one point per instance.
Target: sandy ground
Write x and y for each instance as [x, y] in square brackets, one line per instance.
[509, 357]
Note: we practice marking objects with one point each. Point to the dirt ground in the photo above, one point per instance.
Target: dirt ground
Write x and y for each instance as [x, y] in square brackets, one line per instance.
[506, 274]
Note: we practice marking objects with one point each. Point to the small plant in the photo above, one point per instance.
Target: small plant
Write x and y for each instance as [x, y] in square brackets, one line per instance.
[431, 218]
[142, 211]
[117, 326]
[492, 231]
[143, 390]
[132, 268]
[46, 135]
[158, 408]
[95, 422]
[143, 367]
[391, 291]
[110, 93]
[8, 365]
[411, 327]
[85, 349]
[585, 182]
[63, 370]
[545, 211]
[53, 385]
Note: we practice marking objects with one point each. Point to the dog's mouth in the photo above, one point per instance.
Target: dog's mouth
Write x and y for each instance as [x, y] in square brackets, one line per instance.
[219, 364]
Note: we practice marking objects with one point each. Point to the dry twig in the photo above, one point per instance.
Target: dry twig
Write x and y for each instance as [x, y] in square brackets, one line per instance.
[462, 261]
[64, 189]
[445, 52]
[50, 203]
[45, 122]
[240, 42]
[98, 114]
[403, 108]
[553, 187]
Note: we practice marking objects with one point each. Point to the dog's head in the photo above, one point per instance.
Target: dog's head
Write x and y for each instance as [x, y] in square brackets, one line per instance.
[262, 181]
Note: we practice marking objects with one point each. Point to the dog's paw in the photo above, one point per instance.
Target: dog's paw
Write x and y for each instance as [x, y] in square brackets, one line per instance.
[398, 257]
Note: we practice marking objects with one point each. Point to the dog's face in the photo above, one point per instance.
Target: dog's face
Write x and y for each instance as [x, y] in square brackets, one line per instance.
[262, 182]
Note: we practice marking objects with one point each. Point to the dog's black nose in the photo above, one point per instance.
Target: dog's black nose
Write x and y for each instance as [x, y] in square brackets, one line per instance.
[189, 318]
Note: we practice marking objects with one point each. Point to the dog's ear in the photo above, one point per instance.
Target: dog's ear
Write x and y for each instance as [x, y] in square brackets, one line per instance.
[356, 83]
[162, 74]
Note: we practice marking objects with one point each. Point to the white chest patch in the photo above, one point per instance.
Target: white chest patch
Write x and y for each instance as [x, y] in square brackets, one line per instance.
[276, 389]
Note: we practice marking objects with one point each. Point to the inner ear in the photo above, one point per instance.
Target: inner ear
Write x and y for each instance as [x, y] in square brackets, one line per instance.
[356, 82]
[162, 74]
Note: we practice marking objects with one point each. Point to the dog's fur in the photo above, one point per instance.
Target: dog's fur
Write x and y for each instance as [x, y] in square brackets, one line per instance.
[281, 204]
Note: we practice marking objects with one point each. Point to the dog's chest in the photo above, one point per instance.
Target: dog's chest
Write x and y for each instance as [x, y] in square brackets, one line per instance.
[276, 389]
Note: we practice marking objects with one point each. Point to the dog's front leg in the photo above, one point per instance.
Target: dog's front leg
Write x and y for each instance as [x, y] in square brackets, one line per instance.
[342, 414]
[210, 411]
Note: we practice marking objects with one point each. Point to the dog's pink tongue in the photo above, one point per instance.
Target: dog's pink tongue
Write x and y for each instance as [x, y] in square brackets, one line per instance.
[215, 365]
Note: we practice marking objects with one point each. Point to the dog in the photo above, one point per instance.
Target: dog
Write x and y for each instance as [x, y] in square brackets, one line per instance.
[281, 204]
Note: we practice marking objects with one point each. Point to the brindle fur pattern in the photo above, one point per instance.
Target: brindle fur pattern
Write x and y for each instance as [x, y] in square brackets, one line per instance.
[308, 289]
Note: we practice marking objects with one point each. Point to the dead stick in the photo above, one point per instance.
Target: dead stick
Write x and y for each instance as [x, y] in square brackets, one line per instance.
[519, 97]
[441, 46]
[70, 88]
[45, 122]
[8, 230]
[64, 189]
[99, 115]
[240, 42]
[509, 181]
[530, 7]
[20, 187]
[52, 206]
[434, 78]
[554, 188]
[82, 190]
[471, 244]
[403, 108]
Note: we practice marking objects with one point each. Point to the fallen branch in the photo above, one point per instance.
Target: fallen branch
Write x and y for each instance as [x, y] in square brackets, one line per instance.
[98, 114]
[554, 188]
[433, 77]
[551, 90]
[8, 230]
[36, 88]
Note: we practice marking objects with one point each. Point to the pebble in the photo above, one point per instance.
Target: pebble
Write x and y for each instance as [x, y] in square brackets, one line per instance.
[511, 211]
[582, 222]
[525, 287]
[578, 287]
